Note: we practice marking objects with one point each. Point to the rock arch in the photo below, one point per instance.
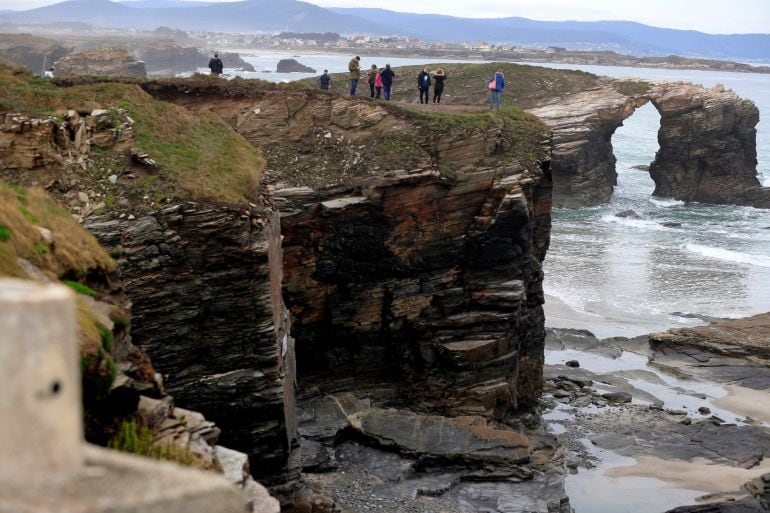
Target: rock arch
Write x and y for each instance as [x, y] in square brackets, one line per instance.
[707, 142]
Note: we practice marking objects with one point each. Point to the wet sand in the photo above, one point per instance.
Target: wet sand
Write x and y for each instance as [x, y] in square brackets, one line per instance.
[559, 314]
[699, 474]
[747, 402]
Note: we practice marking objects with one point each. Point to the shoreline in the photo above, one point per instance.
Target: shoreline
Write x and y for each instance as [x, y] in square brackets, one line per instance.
[517, 59]
[559, 314]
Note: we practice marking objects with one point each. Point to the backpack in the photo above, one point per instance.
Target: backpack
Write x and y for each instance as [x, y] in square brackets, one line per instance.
[325, 80]
[492, 84]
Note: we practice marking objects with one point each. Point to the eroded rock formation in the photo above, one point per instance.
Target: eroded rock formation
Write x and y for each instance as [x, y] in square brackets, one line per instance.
[427, 282]
[707, 143]
[102, 61]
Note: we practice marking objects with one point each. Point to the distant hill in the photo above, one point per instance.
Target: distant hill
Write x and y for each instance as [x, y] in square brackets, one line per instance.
[162, 4]
[621, 36]
[244, 16]
[296, 16]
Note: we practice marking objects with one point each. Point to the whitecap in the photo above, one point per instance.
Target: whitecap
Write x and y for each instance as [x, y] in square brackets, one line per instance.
[665, 203]
[633, 223]
[728, 255]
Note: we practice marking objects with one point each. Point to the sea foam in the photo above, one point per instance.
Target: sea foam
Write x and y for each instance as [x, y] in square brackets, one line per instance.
[728, 255]
[666, 203]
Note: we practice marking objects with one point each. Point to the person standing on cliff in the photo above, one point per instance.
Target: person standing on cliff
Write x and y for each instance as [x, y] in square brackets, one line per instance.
[438, 85]
[423, 84]
[387, 77]
[378, 85]
[372, 73]
[215, 65]
[496, 84]
[354, 67]
[325, 80]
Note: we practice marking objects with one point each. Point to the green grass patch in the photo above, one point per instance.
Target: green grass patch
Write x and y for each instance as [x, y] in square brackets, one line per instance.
[41, 249]
[107, 338]
[526, 86]
[28, 215]
[80, 288]
[632, 87]
[198, 155]
[135, 438]
[5, 233]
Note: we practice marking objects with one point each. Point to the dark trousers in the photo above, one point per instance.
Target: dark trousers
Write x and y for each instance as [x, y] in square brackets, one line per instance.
[371, 90]
[377, 92]
[437, 95]
[353, 85]
[425, 91]
[386, 91]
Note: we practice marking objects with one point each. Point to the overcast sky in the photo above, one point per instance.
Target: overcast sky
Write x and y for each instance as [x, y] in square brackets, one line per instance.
[715, 16]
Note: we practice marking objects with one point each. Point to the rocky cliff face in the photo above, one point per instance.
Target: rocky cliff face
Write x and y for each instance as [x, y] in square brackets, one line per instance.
[102, 61]
[205, 285]
[36, 53]
[707, 143]
[423, 280]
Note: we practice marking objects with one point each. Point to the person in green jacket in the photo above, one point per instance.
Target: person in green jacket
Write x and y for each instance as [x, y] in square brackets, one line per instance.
[354, 67]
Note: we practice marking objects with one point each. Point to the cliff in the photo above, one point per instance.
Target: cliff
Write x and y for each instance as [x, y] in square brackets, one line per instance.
[36, 53]
[95, 161]
[101, 61]
[408, 248]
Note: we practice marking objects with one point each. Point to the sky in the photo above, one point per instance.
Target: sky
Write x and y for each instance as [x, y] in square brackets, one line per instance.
[713, 16]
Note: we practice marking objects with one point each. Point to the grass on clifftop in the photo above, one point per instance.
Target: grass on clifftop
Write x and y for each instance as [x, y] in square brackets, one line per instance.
[198, 155]
[522, 132]
[73, 251]
[525, 86]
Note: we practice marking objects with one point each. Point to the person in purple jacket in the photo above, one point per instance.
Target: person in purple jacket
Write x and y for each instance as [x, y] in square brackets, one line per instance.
[496, 84]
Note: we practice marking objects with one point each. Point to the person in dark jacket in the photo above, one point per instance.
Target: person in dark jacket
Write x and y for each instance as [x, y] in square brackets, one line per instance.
[372, 76]
[387, 77]
[215, 65]
[325, 80]
[423, 84]
[438, 85]
[496, 84]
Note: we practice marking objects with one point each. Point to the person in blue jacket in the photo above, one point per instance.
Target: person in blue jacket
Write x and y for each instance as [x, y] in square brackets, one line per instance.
[496, 84]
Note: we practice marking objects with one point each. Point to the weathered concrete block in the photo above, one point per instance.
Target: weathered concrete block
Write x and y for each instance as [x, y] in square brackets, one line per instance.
[42, 429]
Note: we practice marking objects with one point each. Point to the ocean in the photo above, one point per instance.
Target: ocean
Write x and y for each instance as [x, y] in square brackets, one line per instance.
[626, 277]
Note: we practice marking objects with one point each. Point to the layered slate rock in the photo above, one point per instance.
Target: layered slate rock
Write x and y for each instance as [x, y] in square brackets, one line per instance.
[747, 338]
[459, 439]
[707, 143]
[422, 281]
[205, 285]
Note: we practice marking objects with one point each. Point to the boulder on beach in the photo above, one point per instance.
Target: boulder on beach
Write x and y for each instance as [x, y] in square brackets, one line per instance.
[293, 66]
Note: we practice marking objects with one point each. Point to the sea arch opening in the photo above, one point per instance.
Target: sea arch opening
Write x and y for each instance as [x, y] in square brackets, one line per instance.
[634, 147]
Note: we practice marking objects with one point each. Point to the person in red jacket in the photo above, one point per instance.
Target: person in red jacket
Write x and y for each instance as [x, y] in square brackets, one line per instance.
[378, 85]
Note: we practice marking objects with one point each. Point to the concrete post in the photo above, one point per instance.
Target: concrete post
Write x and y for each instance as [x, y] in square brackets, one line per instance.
[41, 419]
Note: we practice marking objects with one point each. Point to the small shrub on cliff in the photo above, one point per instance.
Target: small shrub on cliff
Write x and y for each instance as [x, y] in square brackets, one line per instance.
[108, 339]
[135, 438]
[5, 233]
[79, 288]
